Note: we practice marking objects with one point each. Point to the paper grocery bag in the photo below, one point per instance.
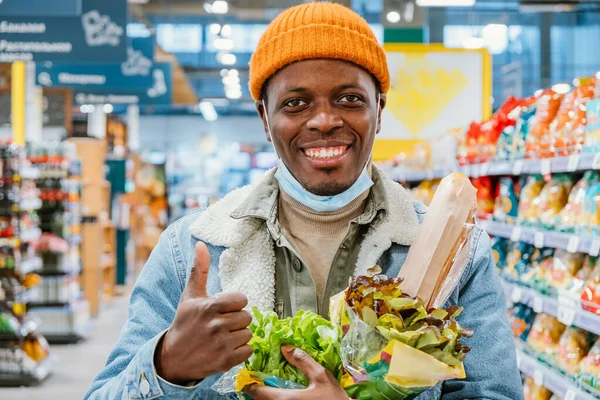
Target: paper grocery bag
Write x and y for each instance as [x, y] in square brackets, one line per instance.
[440, 238]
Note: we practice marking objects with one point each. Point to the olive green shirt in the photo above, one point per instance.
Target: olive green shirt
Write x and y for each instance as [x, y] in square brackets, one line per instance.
[294, 287]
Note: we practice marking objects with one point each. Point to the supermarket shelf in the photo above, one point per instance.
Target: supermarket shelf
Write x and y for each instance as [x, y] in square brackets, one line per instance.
[30, 173]
[30, 265]
[37, 376]
[545, 376]
[78, 334]
[576, 162]
[31, 204]
[566, 241]
[568, 311]
[50, 304]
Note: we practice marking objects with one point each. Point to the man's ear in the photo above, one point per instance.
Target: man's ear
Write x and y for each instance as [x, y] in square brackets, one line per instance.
[382, 103]
[262, 113]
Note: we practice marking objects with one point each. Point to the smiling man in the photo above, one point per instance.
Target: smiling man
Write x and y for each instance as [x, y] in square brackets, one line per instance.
[293, 240]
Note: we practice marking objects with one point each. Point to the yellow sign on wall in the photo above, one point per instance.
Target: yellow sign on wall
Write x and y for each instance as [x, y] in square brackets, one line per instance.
[433, 89]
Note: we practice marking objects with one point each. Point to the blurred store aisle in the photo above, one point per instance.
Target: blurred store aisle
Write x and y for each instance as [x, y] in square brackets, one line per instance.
[78, 364]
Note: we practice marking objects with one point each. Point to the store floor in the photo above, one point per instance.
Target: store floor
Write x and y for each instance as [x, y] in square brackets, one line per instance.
[77, 365]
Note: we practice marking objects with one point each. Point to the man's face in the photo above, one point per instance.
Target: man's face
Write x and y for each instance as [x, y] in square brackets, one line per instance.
[323, 117]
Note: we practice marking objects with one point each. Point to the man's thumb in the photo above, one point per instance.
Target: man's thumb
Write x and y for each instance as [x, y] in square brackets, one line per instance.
[196, 286]
[314, 371]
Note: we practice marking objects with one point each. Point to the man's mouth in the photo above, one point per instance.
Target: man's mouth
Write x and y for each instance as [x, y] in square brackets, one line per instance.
[325, 153]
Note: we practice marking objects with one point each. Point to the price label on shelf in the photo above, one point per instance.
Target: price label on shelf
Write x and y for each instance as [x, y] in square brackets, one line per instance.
[430, 174]
[483, 224]
[516, 294]
[567, 309]
[475, 169]
[596, 162]
[518, 167]
[485, 169]
[595, 248]
[538, 377]
[573, 163]
[515, 235]
[573, 244]
[538, 304]
[570, 395]
[545, 168]
[538, 240]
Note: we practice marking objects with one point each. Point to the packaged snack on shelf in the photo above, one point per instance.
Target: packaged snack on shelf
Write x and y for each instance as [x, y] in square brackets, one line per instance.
[572, 216]
[591, 210]
[577, 126]
[518, 260]
[577, 284]
[545, 334]
[558, 127]
[592, 140]
[540, 273]
[574, 344]
[485, 197]
[590, 296]
[521, 318]
[539, 142]
[527, 208]
[506, 207]
[531, 391]
[552, 199]
[589, 368]
[522, 129]
[500, 248]
[565, 267]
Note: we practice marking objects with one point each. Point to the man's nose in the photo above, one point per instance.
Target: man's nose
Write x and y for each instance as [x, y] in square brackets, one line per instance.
[324, 120]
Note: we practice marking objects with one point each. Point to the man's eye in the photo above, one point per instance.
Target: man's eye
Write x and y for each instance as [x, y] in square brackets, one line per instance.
[350, 98]
[295, 103]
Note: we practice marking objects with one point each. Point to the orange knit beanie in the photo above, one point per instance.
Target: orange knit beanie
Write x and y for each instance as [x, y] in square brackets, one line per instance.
[317, 30]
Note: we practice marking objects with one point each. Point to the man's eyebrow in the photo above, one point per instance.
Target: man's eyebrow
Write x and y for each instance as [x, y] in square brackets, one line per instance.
[348, 86]
[298, 89]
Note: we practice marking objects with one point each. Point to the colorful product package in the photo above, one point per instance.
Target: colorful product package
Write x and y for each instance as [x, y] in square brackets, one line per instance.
[485, 197]
[424, 191]
[577, 284]
[500, 248]
[590, 296]
[506, 208]
[591, 209]
[577, 126]
[572, 217]
[540, 273]
[574, 344]
[593, 124]
[518, 260]
[552, 199]
[539, 140]
[531, 391]
[527, 213]
[589, 367]
[521, 132]
[545, 334]
[521, 319]
[558, 127]
[565, 267]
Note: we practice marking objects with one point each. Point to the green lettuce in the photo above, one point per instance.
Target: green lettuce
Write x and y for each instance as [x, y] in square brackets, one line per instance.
[306, 330]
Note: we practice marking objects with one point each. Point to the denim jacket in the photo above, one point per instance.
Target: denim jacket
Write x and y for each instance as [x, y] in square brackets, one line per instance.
[243, 259]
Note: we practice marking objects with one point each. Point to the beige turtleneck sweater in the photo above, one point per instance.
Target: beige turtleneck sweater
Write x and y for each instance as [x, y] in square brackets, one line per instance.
[317, 236]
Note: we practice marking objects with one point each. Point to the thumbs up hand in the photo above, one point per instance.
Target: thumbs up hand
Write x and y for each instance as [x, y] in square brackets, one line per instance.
[209, 335]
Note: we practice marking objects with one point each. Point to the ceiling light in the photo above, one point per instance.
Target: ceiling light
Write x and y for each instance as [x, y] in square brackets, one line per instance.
[208, 7]
[87, 108]
[233, 93]
[223, 44]
[393, 17]
[226, 30]
[445, 3]
[215, 29]
[234, 72]
[598, 74]
[561, 88]
[107, 108]
[473, 43]
[495, 37]
[208, 111]
[137, 1]
[220, 7]
[224, 72]
[228, 59]
[231, 80]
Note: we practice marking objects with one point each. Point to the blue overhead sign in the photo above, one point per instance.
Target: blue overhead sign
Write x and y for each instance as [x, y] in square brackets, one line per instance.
[97, 35]
[133, 73]
[160, 92]
[40, 8]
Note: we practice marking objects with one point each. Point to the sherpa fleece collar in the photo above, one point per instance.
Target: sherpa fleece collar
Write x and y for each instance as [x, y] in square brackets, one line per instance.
[248, 263]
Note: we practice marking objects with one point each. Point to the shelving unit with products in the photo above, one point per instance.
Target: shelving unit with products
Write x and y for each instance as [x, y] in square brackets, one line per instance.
[60, 307]
[535, 165]
[25, 357]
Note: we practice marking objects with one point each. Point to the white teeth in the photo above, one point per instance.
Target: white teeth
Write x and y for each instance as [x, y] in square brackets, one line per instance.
[337, 152]
[325, 153]
[330, 153]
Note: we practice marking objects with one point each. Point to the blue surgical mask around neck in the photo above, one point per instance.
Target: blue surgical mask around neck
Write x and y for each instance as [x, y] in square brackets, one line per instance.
[295, 190]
